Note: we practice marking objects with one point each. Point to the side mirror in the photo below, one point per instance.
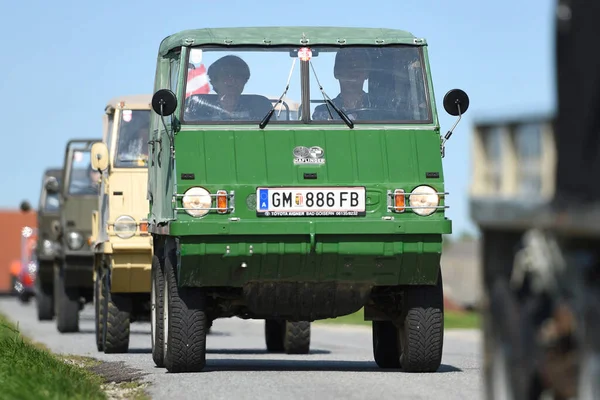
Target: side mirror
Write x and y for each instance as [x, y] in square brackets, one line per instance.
[99, 155]
[456, 103]
[25, 206]
[164, 102]
[51, 185]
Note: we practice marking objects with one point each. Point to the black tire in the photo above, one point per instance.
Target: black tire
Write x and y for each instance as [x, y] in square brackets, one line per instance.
[157, 313]
[296, 339]
[504, 376]
[185, 325]
[44, 301]
[274, 332]
[99, 311]
[386, 344]
[24, 297]
[422, 331]
[67, 304]
[117, 315]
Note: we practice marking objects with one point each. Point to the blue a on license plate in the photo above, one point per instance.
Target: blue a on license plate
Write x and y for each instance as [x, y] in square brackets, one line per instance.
[310, 201]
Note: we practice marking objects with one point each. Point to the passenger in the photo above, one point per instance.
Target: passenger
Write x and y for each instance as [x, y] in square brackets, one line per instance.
[351, 69]
[228, 77]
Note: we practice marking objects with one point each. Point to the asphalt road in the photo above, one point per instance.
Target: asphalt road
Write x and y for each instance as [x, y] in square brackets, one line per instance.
[340, 365]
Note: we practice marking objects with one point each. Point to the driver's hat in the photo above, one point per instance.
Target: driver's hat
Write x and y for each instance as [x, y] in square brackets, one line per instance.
[230, 65]
[351, 59]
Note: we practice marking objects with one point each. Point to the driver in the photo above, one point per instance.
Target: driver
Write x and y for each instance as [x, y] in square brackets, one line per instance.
[351, 69]
[94, 181]
[135, 146]
[228, 77]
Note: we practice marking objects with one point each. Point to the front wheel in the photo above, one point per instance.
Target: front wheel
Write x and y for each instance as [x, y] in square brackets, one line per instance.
[99, 311]
[117, 316]
[157, 312]
[67, 304]
[185, 323]
[422, 330]
[44, 301]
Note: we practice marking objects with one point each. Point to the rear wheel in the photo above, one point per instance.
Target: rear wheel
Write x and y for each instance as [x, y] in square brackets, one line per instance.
[297, 337]
[274, 335]
[288, 337]
[386, 348]
[422, 331]
[157, 312]
[67, 304]
[185, 323]
[117, 314]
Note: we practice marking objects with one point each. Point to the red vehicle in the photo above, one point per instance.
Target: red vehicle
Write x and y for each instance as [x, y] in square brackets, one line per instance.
[25, 280]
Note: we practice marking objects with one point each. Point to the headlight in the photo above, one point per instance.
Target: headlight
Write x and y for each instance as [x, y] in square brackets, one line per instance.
[47, 247]
[425, 198]
[196, 201]
[32, 268]
[125, 227]
[75, 240]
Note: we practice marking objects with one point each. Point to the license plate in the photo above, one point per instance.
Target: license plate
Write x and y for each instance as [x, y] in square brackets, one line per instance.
[310, 201]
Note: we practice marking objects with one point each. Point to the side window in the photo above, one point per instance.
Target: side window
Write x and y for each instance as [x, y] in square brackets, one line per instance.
[174, 74]
[111, 121]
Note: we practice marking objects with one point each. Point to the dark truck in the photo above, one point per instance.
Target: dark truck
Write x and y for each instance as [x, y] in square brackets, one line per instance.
[74, 263]
[47, 246]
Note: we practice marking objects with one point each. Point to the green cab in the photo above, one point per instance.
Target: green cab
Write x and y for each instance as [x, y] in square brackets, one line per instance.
[261, 209]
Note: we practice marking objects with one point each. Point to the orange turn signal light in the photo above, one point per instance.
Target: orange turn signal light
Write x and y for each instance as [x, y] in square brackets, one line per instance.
[399, 200]
[221, 201]
[144, 227]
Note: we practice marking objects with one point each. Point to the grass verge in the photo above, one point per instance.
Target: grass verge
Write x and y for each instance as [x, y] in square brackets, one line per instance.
[452, 320]
[28, 370]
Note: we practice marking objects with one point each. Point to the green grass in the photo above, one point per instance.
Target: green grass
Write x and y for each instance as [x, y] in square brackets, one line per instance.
[28, 371]
[452, 320]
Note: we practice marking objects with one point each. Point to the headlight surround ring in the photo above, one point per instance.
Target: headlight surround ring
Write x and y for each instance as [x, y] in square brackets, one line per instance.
[425, 198]
[197, 201]
[75, 240]
[125, 227]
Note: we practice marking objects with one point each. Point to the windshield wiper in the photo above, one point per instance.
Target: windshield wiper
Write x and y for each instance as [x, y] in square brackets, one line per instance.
[267, 117]
[342, 114]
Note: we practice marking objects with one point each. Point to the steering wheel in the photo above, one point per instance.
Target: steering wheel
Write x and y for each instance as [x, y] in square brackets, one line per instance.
[373, 114]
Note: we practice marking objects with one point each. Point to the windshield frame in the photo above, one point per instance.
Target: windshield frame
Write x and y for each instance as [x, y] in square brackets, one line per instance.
[69, 178]
[306, 75]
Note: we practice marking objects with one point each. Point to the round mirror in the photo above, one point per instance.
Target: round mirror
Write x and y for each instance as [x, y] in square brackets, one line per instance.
[455, 98]
[166, 99]
[51, 185]
[25, 206]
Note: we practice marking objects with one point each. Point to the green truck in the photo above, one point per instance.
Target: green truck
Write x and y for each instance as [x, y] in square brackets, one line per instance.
[293, 219]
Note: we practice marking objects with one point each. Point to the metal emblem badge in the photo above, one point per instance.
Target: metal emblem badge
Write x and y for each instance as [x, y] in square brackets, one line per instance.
[309, 155]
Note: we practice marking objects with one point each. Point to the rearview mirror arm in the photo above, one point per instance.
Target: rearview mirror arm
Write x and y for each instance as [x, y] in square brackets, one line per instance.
[449, 133]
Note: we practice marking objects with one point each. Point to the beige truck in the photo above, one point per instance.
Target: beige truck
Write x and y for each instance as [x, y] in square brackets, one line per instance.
[121, 243]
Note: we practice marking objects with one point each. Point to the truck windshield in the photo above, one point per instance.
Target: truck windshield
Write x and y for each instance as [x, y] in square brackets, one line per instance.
[83, 180]
[370, 84]
[132, 143]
